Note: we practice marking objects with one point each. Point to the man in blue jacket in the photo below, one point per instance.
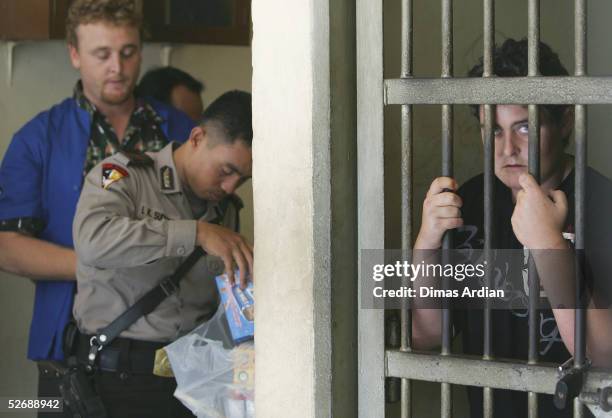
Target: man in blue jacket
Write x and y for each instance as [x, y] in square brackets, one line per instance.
[42, 171]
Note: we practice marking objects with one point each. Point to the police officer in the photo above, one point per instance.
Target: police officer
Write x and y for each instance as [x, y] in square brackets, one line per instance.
[137, 218]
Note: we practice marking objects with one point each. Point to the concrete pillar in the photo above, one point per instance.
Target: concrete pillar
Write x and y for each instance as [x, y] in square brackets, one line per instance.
[303, 174]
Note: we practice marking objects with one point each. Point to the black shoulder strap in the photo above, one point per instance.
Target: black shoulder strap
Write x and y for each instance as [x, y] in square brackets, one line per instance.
[142, 307]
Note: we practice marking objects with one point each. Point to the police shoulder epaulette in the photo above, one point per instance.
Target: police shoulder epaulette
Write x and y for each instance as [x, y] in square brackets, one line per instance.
[137, 159]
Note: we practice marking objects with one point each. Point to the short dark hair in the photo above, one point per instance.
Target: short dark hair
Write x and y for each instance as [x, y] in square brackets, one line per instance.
[511, 60]
[159, 82]
[232, 111]
[115, 12]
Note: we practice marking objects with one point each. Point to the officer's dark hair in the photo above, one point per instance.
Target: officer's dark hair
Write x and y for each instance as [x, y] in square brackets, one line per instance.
[511, 60]
[232, 111]
[159, 82]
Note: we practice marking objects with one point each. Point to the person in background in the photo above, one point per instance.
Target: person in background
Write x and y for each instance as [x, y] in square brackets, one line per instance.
[43, 169]
[175, 87]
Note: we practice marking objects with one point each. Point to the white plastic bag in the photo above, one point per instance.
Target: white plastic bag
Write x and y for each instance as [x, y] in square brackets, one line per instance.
[213, 381]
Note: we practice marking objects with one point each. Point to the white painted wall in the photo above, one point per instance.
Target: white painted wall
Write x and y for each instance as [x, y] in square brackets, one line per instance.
[305, 193]
[42, 76]
[283, 103]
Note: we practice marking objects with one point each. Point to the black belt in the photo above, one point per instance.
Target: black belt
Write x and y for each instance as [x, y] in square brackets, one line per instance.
[122, 355]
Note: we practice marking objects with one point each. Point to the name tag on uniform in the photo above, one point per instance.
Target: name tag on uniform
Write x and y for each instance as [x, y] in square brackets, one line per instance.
[152, 213]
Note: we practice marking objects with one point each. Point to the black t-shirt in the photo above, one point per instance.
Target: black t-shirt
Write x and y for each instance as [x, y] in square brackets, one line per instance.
[510, 327]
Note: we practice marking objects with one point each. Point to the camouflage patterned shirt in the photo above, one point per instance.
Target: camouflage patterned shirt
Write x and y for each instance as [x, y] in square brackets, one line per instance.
[143, 133]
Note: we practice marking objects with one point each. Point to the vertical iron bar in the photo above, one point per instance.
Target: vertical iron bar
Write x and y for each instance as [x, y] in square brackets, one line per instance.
[580, 193]
[580, 28]
[533, 38]
[447, 171]
[407, 198]
[534, 282]
[580, 126]
[489, 176]
[447, 130]
[534, 168]
[447, 38]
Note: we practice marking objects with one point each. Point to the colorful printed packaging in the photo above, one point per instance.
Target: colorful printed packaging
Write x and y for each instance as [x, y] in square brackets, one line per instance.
[239, 308]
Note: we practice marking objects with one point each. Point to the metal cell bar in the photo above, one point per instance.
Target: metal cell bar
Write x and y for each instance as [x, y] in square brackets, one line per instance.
[447, 170]
[407, 197]
[489, 191]
[533, 53]
[489, 144]
[500, 90]
[534, 282]
[533, 38]
[370, 200]
[406, 138]
[488, 37]
[580, 34]
[473, 371]
[447, 38]
[580, 195]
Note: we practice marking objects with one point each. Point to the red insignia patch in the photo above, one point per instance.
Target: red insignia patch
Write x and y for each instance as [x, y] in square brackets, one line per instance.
[112, 173]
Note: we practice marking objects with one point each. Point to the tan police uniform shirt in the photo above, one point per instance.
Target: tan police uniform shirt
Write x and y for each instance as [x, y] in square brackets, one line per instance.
[133, 227]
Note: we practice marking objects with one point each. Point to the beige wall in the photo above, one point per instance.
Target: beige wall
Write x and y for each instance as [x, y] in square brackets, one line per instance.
[305, 192]
[284, 126]
[42, 76]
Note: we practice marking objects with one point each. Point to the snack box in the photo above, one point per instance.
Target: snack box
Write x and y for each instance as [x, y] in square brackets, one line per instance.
[239, 308]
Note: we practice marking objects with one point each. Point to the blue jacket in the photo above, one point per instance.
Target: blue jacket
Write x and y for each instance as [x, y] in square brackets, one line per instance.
[41, 177]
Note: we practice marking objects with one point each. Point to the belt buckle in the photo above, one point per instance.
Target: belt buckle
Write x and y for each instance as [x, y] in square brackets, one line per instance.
[94, 349]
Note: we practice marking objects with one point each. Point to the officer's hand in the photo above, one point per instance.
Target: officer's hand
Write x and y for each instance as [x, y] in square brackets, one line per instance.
[441, 212]
[230, 246]
[538, 218]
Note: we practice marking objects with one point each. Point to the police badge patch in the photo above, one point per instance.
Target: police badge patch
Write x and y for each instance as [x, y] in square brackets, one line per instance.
[111, 173]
